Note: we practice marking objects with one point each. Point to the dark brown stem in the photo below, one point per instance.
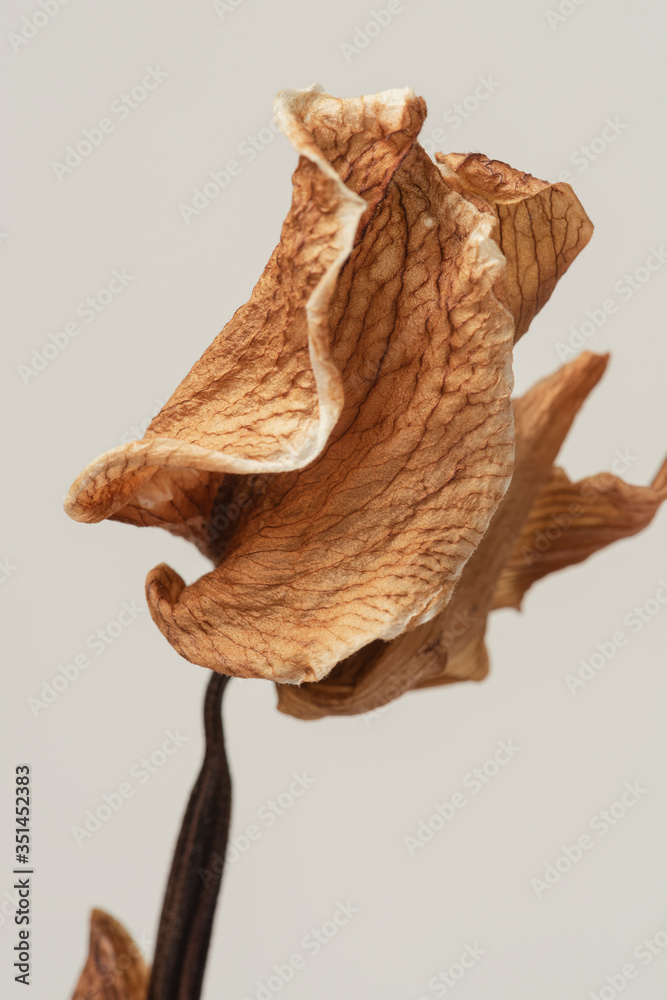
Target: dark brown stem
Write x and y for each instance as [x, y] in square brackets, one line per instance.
[196, 871]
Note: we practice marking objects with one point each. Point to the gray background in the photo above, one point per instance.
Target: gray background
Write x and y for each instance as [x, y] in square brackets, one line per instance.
[375, 779]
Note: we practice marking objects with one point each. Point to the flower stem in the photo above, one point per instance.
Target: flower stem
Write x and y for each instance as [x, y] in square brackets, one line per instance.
[196, 871]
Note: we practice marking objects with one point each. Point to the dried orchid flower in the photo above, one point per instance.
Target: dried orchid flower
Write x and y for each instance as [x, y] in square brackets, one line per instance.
[347, 454]
[341, 448]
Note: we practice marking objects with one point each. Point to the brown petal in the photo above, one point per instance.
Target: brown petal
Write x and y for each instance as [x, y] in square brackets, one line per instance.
[451, 646]
[365, 383]
[114, 969]
[569, 521]
[541, 227]
[371, 537]
[266, 395]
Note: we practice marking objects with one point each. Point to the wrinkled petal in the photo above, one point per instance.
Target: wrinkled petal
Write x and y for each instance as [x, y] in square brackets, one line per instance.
[340, 449]
[569, 521]
[114, 969]
[266, 394]
[540, 227]
[451, 647]
[371, 537]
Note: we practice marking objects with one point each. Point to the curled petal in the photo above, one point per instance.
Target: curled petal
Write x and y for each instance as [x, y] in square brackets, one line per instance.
[451, 646]
[371, 537]
[540, 228]
[569, 521]
[115, 968]
[266, 394]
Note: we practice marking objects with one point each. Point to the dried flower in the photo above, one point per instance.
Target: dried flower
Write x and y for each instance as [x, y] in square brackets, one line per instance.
[340, 450]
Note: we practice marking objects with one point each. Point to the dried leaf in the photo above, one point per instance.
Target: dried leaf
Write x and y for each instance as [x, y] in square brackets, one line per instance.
[115, 968]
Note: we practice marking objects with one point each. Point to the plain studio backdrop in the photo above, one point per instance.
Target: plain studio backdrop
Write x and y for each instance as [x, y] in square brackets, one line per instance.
[577, 87]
